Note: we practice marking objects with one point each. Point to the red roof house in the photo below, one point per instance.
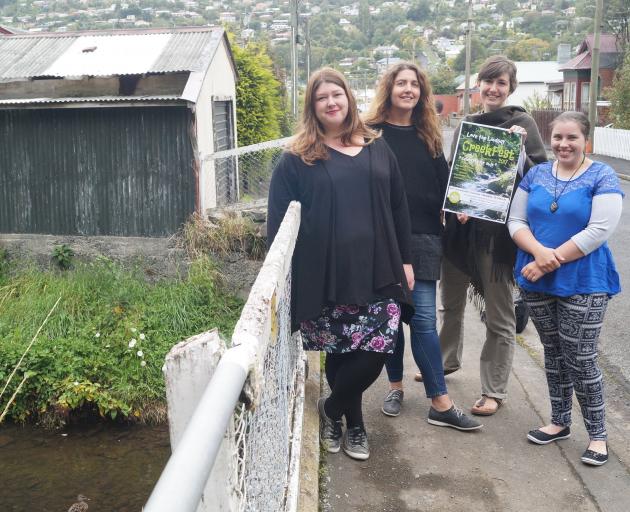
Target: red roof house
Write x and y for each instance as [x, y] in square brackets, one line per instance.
[577, 71]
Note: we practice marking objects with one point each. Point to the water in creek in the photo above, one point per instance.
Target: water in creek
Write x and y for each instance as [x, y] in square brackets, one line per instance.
[116, 467]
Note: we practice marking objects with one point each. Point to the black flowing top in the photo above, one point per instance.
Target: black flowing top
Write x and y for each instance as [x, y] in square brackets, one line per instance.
[354, 233]
[425, 179]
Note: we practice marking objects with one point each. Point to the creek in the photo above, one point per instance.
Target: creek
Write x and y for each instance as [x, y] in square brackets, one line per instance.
[115, 466]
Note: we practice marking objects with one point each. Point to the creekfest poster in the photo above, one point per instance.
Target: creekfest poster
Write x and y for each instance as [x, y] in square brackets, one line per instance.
[486, 162]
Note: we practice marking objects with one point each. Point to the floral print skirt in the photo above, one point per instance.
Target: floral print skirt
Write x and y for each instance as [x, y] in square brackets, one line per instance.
[345, 328]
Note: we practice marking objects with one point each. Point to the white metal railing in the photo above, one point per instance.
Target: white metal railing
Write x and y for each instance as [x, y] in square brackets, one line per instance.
[612, 142]
[251, 409]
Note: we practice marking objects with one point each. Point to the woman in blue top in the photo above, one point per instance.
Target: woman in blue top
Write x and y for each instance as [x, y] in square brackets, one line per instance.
[562, 214]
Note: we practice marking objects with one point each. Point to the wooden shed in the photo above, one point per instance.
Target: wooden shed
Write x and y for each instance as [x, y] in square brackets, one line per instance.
[102, 132]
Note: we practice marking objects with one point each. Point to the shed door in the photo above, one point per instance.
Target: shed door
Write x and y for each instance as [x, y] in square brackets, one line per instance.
[225, 168]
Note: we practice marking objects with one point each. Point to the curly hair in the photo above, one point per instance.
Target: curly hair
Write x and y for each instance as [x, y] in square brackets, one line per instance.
[424, 116]
[308, 142]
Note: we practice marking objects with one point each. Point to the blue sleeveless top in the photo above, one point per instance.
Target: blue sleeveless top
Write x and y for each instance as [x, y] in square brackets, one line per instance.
[593, 273]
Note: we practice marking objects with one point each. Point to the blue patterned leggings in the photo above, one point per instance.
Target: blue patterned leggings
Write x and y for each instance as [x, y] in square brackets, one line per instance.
[569, 330]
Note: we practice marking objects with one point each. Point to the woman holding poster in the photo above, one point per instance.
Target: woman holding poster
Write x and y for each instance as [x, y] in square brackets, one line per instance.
[404, 111]
[562, 215]
[481, 253]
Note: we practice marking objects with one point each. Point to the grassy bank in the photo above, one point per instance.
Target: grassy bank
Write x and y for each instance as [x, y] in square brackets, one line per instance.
[102, 350]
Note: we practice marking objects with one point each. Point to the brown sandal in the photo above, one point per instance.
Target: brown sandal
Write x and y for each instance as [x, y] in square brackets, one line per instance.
[485, 407]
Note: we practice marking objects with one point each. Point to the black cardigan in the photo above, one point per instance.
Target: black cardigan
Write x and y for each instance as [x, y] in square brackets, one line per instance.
[313, 286]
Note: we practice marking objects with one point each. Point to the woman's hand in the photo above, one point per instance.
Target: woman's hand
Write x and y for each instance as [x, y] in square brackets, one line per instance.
[409, 275]
[532, 272]
[547, 259]
[518, 129]
[462, 218]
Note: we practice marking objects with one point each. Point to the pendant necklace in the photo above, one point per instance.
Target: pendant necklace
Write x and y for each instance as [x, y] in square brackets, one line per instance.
[553, 207]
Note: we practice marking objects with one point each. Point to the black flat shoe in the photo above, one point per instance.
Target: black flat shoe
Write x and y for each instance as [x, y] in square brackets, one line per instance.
[540, 437]
[595, 458]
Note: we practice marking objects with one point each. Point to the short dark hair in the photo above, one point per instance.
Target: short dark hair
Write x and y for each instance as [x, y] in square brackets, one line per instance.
[493, 67]
[578, 118]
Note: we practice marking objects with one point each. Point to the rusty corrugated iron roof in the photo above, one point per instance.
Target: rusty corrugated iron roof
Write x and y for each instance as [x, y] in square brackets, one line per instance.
[107, 53]
[90, 99]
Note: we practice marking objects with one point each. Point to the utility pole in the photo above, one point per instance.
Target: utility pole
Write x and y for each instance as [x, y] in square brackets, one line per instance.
[593, 88]
[468, 52]
[294, 57]
[307, 44]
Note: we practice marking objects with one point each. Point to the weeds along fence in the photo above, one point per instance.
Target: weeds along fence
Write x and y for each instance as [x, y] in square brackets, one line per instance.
[237, 447]
[243, 174]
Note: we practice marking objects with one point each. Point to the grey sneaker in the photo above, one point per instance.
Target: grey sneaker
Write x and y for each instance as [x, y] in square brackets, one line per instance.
[331, 430]
[392, 402]
[454, 418]
[355, 443]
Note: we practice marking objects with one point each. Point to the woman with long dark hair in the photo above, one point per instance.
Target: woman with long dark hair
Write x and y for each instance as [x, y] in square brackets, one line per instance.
[352, 263]
[404, 110]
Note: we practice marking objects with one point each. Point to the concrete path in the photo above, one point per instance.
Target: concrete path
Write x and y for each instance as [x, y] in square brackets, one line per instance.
[416, 467]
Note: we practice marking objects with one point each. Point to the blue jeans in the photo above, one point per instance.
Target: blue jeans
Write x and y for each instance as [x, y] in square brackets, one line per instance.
[425, 343]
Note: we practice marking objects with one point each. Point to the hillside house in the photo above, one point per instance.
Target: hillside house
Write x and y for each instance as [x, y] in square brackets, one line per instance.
[577, 71]
[105, 133]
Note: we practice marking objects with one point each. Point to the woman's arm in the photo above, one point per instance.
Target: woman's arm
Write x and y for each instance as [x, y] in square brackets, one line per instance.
[400, 214]
[520, 232]
[282, 190]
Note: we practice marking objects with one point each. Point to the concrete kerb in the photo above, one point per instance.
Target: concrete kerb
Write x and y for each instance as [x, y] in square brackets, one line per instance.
[308, 500]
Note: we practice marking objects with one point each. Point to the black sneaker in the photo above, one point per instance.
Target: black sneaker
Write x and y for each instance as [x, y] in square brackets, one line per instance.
[331, 430]
[454, 418]
[594, 458]
[355, 443]
[392, 402]
[540, 437]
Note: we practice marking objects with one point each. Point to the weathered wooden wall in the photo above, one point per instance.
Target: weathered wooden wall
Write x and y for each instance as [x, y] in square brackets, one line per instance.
[96, 171]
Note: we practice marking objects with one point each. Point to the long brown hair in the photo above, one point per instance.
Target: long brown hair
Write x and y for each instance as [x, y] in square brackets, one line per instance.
[424, 117]
[308, 142]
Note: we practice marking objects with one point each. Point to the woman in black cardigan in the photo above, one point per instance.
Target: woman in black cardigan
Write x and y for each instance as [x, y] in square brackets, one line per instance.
[352, 264]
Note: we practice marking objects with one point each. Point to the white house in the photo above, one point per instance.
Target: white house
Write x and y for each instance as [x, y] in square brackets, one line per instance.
[533, 77]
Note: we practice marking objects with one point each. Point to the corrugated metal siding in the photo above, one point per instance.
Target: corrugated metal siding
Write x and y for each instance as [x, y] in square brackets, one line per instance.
[115, 53]
[24, 57]
[114, 171]
[188, 52]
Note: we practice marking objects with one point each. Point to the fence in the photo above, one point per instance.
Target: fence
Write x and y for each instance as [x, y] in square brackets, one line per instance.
[612, 142]
[543, 118]
[250, 414]
[243, 174]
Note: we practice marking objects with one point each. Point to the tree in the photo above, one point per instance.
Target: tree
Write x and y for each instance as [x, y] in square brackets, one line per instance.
[536, 102]
[477, 55]
[617, 20]
[259, 98]
[619, 95]
[443, 80]
[420, 11]
[529, 49]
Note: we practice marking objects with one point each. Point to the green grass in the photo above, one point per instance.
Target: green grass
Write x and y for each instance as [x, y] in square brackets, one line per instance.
[84, 360]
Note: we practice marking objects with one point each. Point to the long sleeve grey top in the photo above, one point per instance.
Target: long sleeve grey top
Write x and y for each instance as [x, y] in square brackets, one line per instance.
[605, 215]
